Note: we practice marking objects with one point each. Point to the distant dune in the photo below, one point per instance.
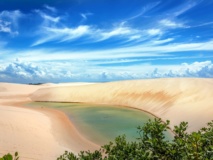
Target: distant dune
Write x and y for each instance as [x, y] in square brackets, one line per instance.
[14, 93]
[177, 100]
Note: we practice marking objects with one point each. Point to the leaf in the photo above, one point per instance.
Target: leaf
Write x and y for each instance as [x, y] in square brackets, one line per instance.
[8, 157]
[16, 154]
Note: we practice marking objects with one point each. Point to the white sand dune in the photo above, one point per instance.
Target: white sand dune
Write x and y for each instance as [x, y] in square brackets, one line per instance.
[45, 133]
[39, 134]
[14, 93]
[177, 100]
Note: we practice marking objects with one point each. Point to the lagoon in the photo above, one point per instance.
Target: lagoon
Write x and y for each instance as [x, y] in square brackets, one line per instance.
[102, 123]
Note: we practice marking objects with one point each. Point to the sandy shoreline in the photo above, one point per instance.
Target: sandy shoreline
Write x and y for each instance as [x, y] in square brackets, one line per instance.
[44, 133]
[52, 129]
[28, 132]
[35, 133]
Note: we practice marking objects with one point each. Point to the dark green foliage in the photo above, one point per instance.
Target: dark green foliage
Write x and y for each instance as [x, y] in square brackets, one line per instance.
[10, 157]
[36, 83]
[152, 145]
[90, 155]
[197, 145]
[67, 156]
[83, 156]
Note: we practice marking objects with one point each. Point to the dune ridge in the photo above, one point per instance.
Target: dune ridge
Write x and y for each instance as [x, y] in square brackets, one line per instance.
[180, 99]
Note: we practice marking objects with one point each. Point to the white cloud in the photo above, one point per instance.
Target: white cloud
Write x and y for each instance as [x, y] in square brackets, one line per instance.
[52, 9]
[203, 24]
[196, 69]
[72, 33]
[144, 10]
[13, 16]
[158, 42]
[185, 7]
[62, 34]
[9, 21]
[154, 32]
[47, 18]
[52, 29]
[31, 72]
[51, 55]
[5, 26]
[134, 37]
[158, 48]
[93, 34]
[172, 47]
[22, 71]
[171, 24]
[118, 31]
[85, 15]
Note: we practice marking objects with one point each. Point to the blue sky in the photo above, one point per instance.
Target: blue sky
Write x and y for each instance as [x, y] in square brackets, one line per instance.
[104, 40]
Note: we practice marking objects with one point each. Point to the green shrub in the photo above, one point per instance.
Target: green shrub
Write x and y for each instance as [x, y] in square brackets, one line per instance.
[152, 145]
[10, 157]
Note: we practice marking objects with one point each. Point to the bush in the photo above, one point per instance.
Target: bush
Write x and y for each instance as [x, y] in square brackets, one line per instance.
[152, 145]
[10, 157]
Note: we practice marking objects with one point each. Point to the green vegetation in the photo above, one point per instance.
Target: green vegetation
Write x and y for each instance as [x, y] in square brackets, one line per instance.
[35, 83]
[152, 145]
[10, 157]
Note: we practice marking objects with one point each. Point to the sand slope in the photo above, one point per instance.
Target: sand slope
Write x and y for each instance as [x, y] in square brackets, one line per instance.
[14, 93]
[22, 130]
[39, 134]
[174, 99]
[45, 134]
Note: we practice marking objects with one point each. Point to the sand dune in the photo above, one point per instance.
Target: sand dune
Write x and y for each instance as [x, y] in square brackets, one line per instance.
[174, 99]
[14, 93]
[35, 133]
[45, 134]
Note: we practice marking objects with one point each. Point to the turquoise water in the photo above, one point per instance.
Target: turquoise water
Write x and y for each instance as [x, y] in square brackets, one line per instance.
[101, 123]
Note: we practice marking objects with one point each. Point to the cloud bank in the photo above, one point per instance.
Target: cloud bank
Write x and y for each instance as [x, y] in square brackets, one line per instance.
[26, 72]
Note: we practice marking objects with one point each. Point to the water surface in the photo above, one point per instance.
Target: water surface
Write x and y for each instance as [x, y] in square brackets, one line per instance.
[102, 123]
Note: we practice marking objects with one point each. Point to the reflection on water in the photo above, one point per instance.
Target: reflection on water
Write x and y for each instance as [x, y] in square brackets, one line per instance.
[102, 123]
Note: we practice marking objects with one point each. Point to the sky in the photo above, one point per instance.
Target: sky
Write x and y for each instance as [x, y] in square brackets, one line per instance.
[104, 40]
